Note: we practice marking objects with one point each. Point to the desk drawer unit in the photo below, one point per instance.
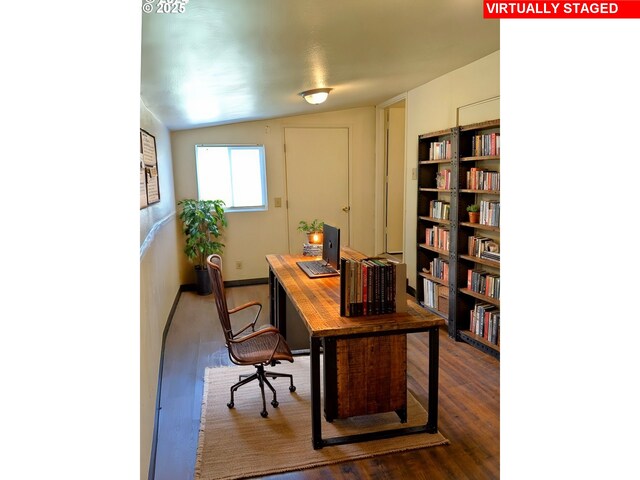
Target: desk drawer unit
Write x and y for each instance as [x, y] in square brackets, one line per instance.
[365, 375]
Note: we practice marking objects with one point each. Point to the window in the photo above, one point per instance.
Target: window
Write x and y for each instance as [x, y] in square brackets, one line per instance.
[233, 173]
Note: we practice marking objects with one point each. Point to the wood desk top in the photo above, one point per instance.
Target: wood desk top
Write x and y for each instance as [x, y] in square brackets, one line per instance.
[317, 300]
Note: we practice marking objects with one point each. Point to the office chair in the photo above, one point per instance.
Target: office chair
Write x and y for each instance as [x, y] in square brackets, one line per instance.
[262, 347]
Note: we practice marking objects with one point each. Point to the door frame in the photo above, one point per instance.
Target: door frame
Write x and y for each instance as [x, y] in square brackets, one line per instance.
[380, 175]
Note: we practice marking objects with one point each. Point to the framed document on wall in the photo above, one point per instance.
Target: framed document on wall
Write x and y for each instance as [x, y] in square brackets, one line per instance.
[149, 182]
[143, 182]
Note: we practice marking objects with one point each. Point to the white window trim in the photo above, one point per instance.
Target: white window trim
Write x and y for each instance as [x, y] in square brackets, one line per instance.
[263, 175]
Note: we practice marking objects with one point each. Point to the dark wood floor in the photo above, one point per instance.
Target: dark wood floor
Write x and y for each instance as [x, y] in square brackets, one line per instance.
[469, 408]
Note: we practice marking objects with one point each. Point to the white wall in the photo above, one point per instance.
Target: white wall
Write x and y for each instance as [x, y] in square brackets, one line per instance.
[159, 281]
[251, 236]
[435, 106]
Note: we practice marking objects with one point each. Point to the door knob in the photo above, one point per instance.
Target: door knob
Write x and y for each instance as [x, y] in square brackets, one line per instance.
[346, 209]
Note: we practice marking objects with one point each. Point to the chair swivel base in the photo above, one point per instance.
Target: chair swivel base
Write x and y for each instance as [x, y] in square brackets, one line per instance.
[261, 375]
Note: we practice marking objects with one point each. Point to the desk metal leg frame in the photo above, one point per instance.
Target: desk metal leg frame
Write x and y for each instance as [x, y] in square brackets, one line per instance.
[432, 408]
[316, 426]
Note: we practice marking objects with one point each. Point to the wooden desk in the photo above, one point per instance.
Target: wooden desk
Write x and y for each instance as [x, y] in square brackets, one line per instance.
[318, 303]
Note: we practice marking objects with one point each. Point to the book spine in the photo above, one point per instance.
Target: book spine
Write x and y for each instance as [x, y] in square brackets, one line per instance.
[365, 288]
[343, 283]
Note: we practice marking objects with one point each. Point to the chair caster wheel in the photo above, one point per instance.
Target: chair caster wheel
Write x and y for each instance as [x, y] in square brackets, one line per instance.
[275, 403]
[292, 388]
[230, 404]
[264, 414]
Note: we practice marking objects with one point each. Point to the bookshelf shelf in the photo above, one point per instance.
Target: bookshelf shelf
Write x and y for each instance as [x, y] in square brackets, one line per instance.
[436, 190]
[479, 226]
[433, 279]
[437, 312]
[479, 296]
[440, 133]
[434, 249]
[480, 158]
[430, 162]
[435, 220]
[481, 261]
[480, 192]
[479, 341]
[464, 156]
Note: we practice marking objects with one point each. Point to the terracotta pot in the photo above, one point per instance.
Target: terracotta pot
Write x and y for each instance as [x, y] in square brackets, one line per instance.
[474, 217]
[315, 238]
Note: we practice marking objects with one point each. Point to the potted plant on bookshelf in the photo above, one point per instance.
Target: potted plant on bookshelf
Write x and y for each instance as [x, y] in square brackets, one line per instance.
[313, 230]
[474, 213]
[203, 221]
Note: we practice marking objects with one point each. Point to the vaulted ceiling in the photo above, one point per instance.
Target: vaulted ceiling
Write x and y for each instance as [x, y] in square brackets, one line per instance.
[226, 61]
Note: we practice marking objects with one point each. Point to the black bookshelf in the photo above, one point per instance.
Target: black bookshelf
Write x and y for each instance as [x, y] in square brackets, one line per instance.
[470, 150]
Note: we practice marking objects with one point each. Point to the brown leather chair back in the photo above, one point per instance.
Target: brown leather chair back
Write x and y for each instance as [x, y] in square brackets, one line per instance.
[214, 262]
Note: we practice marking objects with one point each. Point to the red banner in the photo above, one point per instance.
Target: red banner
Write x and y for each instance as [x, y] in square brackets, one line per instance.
[519, 9]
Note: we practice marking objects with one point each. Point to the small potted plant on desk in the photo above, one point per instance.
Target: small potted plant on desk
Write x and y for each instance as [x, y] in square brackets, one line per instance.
[474, 213]
[203, 221]
[313, 230]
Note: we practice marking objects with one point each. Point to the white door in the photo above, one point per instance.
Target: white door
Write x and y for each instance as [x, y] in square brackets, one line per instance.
[317, 164]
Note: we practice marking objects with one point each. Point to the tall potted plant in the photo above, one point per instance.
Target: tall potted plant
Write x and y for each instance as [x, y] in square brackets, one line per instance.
[203, 221]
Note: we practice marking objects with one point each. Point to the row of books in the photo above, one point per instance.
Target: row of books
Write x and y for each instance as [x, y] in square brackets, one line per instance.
[438, 237]
[483, 247]
[439, 268]
[485, 322]
[435, 296]
[372, 286]
[430, 293]
[439, 209]
[443, 179]
[484, 145]
[490, 213]
[440, 150]
[484, 283]
[478, 179]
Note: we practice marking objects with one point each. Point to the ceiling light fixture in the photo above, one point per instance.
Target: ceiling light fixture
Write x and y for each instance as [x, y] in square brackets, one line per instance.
[316, 95]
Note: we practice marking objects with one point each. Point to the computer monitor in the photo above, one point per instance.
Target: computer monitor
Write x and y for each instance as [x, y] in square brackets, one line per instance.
[331, 245]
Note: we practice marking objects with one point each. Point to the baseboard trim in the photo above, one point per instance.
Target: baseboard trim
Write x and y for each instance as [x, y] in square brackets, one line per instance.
[191, 287]
[246, 282]
[156, 421]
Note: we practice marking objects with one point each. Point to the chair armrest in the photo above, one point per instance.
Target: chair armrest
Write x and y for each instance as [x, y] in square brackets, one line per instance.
[266, 330]
[252, 324]
[246, 305]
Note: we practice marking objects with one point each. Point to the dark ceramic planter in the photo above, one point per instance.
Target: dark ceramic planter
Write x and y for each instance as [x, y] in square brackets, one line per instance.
[203, 281]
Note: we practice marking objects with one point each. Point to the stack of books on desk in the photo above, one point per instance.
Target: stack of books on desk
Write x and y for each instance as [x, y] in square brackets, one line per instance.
[372, 286]
[312, 250]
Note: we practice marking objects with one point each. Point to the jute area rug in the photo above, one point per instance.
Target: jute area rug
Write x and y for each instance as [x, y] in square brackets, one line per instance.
[239, 443]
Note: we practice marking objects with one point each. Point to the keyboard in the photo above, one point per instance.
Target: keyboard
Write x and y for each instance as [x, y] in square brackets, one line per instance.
[317, 268]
